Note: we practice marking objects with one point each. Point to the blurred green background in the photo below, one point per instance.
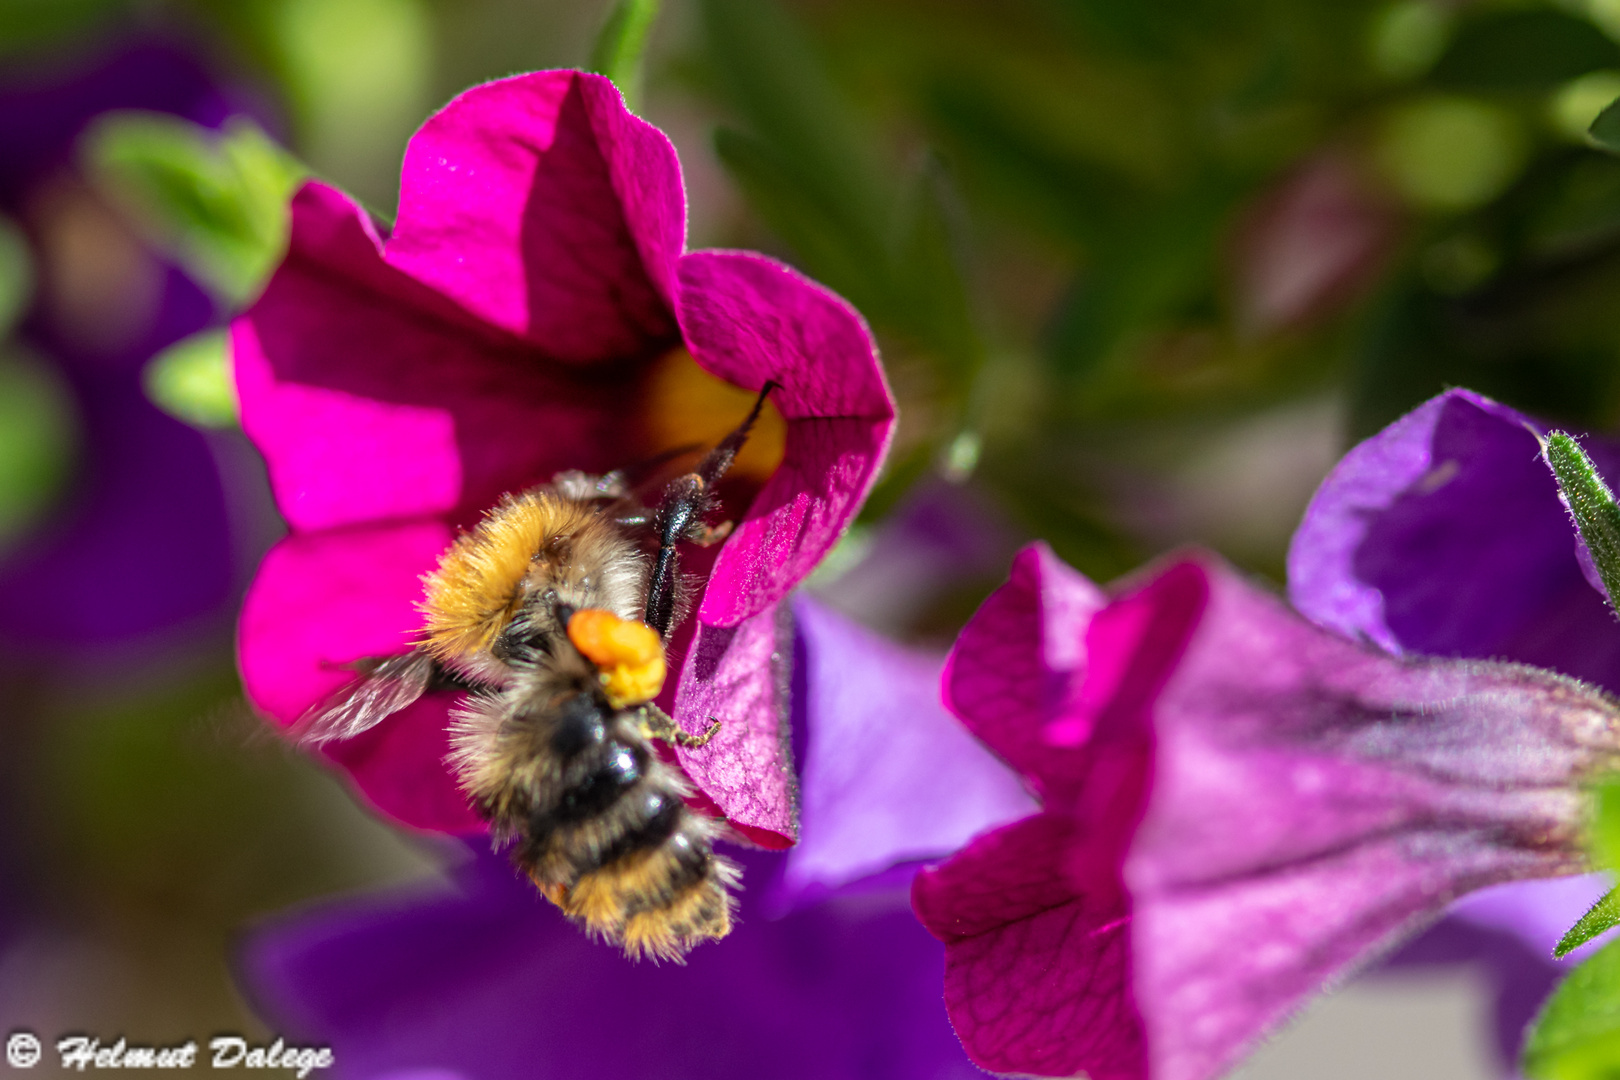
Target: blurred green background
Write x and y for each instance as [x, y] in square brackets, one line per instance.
[1141, 270]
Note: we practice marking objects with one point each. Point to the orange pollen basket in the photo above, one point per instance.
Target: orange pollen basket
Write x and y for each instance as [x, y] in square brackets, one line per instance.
[627, 653]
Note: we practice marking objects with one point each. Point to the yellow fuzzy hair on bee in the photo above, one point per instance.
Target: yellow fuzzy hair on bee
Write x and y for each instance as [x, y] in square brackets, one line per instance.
[478, 585]
[647, 905]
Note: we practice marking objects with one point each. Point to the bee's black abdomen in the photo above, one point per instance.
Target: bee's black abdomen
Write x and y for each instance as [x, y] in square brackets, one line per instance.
[650, 819]
[581, 725]
[692, 862]
[620, 768]
[605, 832]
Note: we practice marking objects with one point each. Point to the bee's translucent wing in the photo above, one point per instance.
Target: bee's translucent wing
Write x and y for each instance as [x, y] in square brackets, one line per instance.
[386, 687]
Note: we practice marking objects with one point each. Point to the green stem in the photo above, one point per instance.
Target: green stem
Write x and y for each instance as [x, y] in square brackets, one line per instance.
[621, 45]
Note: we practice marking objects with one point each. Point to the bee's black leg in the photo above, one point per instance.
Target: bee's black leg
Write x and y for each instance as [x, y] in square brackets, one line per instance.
[657, 724]
[679, 516]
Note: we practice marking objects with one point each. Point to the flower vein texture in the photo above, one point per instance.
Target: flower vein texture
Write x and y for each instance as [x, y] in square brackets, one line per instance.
[1238, 808]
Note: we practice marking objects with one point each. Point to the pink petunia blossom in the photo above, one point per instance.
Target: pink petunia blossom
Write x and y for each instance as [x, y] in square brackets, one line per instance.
[1238, 808]
[513, 324]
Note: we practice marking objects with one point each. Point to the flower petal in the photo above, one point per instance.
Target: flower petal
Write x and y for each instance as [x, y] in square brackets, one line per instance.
[399, 768]
[372, 398]
[1310, 801]
[1021, 656]
[739, 675]
[488, 981]
[1443, 534]
[1036, 976]
[320, 603]
[323, 601]
[748, 319]
[1037, 914]
[542, 206]
[1313, 800]
[889, 776]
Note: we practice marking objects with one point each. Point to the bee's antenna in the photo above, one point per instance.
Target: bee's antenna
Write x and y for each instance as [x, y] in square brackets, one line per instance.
[718, 460]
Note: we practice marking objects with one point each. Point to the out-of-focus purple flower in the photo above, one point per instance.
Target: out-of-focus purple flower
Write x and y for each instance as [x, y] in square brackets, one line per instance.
[940, 537]
[141, 541]
[889, 777]
[1238, 808]
[50, 100]
[1310, 245]
[488, 981]
[512, 326]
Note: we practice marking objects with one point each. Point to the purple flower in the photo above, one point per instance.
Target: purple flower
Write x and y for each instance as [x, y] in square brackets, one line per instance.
[141, 542]
[486, 980]
[889, 777]
[1238, 808]
[528, 315]
[1443, 535]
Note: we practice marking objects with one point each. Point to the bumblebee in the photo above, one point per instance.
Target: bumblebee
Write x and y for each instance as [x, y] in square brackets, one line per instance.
[553, 613]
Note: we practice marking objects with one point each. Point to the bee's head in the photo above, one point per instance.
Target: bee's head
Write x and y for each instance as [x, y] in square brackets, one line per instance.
[489, 593]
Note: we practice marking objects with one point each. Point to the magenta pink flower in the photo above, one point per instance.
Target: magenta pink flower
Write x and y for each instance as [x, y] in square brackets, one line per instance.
[517, 322]
[1238, 808]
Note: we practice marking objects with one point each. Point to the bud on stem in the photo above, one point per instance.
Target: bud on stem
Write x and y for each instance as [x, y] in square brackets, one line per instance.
[1590, 503]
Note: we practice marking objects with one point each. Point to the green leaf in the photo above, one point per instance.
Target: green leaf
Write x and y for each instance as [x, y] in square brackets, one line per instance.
[1050, 189]
[1602, 916]
[1577, 1035]
[39, 433]
[775, 81]
[1523, 50]
[622, 44]
[830, 244]
[1591, 503]
[1605, 130]
[1605, 841]
[16, 276]
[215, 201]
[191, 381]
